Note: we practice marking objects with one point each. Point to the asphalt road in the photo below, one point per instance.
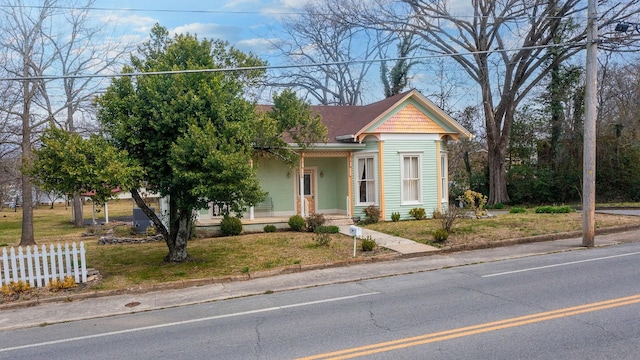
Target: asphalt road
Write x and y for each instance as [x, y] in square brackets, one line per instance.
[569, 305]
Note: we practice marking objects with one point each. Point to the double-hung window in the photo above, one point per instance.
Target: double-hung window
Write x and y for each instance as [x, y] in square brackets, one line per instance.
[366, 167]
[444, 177]
[411, 179]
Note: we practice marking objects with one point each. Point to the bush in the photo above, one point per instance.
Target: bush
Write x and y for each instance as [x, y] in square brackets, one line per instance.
[436, 214]
[15, 288]
[475, 201]
[269, 228]
[322, 239]
[371, 214]
[296, 223]
[553, 210]
[368, 244]
[313, 221]
[440, 235]
[57, 284]
[417, 213]
[449, 217]
[517, 210]
[230, 226]
[395, 216]
[497, 206]
[330, 229]
[151, 230]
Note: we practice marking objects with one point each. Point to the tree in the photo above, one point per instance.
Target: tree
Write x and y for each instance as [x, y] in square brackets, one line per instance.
[315, 36]
[66, 163]
[26, 59]
[502, 46]
[394, 80]
[75, 51]
[192, 133]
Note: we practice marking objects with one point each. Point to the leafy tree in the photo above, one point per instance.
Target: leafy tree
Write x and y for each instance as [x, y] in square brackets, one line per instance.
[67, 163]
[193, 133]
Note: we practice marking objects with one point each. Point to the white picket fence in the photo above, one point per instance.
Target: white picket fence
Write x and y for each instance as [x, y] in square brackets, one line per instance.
[38, 266]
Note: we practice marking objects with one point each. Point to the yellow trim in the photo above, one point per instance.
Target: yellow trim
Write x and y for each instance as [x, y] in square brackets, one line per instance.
[381, 177]
[439, 174]
[350, 179]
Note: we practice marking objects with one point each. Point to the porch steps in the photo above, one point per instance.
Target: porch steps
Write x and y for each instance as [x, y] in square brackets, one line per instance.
[338, 221]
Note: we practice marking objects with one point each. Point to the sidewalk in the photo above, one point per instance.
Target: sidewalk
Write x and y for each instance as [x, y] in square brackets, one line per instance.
[79, 308]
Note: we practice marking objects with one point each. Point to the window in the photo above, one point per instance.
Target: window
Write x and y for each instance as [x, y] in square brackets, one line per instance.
[411, 179]
[443, 177]
[366, 180]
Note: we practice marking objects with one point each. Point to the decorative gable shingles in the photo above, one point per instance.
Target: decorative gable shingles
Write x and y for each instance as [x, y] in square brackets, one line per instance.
[409, 120]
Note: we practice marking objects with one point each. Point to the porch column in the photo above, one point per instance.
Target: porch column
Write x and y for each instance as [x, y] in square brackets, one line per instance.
[301, 185]
[381, 201]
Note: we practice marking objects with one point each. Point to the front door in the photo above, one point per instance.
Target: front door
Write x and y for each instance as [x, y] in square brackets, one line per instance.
[309, 189]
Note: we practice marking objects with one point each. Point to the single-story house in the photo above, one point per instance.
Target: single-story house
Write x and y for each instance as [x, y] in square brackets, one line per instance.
[391, 154]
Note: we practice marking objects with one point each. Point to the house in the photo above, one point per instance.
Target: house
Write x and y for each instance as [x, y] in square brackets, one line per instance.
[391, 154]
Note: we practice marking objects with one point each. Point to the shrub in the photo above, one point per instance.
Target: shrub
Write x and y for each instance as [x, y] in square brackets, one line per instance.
[313, 221]
[368, 244]
[440, 235]
[123, 231]
[151, 230]
[517, 210]
[269, 228]
[57, 284]
[330, 229]
[395, 216]
[15, 288]
[296, 223]
[322, 239]
[553, 209]
[417, 213]
[230, 226]
[436, 214]
[449, 217]
[475, 201]
[371, 214]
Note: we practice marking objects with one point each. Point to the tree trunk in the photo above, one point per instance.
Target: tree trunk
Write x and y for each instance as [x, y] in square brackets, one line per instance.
[179, 237]
[78, 211]
[26, 238]
[179, 231]
[497, 177]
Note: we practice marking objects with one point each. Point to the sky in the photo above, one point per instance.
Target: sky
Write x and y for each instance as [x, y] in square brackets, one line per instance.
[249, 25]
[246, 24]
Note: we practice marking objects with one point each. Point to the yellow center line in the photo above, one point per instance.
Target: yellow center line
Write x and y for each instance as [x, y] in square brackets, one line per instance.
[475, 329]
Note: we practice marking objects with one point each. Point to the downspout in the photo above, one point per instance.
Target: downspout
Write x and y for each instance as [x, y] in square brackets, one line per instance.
[301, 185]
[351, 202]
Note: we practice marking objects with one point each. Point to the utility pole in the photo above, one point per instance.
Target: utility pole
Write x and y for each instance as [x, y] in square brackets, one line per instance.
[589, 157]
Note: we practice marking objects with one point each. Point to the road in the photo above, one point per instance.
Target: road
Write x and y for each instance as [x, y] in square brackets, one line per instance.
[569, 305]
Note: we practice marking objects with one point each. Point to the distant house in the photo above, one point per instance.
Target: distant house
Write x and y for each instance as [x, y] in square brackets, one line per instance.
[391, 154]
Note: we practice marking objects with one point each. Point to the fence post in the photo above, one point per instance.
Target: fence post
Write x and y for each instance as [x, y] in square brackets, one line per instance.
[83, 263]
[29, 268]
[74, 252]
[14, 266]
[61, 273]
[36, 258]
[5, 262]
[45, 266]
[54, 266]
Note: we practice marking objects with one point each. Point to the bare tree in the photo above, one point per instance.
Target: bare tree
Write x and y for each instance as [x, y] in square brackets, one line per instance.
[503, 45]
[25, 59]
[76, 51]
[339, 49]
[37, 41]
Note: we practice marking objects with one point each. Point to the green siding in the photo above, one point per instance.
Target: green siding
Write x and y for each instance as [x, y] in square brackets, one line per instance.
[274, 180]
[371, 147]
[393, 151]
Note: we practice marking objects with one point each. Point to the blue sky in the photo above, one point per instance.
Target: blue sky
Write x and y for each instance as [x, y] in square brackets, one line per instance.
[246, 24]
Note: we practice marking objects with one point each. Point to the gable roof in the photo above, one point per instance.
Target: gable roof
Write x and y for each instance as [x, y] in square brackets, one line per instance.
[408, 112]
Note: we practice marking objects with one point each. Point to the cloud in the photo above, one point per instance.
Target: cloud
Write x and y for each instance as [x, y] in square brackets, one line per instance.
[141, 24]
[210, 31]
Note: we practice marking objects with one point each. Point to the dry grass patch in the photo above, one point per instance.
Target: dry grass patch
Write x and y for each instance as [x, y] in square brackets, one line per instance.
[501, 227]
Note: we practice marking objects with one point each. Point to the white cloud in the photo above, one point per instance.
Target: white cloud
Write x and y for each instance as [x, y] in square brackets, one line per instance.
[209, 31]
[142, 24]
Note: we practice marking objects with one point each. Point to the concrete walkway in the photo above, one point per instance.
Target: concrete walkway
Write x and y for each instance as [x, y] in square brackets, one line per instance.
[400, 245]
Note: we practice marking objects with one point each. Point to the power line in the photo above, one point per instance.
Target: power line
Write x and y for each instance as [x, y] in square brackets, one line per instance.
[274, 67]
